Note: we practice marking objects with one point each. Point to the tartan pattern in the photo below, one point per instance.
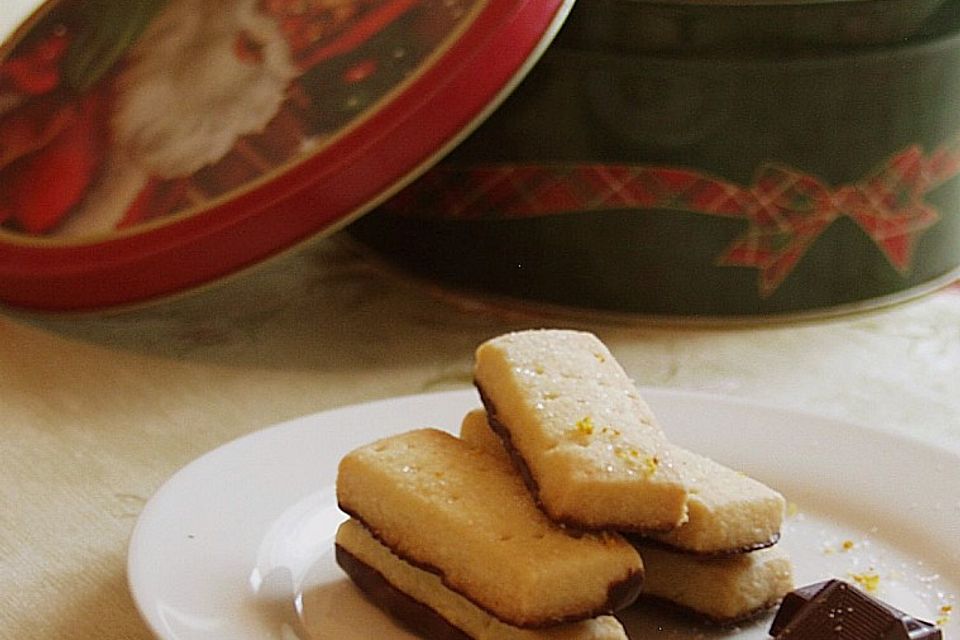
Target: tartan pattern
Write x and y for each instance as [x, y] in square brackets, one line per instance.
[785, 208]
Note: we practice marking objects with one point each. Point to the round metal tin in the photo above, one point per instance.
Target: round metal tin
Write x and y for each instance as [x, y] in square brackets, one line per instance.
[151, 146]
[706, 159]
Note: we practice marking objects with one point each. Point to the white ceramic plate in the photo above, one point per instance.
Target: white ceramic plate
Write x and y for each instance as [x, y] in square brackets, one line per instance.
[238, 544]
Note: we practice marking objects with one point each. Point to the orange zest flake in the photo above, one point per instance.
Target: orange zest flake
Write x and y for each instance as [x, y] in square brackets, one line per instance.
[625, 454]
[584, 426]
[868, 581]
[845, 545]
[944, 614]
[651, 464]
[633, 459]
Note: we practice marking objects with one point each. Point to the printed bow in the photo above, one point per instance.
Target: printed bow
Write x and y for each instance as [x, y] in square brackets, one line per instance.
[786, 209]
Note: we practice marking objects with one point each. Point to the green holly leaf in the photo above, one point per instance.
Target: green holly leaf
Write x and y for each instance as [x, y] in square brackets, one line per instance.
[106, 29]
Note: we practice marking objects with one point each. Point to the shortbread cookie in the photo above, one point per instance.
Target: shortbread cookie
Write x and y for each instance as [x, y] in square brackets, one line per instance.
[442, 505]
[476, 431]
[728, 512]
[587, 445]
[417, 598]
[723, 590]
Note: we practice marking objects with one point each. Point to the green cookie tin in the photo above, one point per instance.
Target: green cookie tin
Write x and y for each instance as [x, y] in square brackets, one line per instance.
[706, 159]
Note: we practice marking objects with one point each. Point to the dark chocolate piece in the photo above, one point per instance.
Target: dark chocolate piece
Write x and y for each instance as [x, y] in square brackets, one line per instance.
[411, 613]
[836, 610]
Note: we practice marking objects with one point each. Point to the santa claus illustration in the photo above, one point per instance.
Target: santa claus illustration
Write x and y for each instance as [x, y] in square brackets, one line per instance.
[198, 76]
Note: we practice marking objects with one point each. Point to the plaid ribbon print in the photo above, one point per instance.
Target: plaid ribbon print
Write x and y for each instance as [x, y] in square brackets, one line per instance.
[786, 209]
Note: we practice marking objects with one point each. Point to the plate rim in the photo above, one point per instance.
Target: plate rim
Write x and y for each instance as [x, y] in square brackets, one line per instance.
[949, 452]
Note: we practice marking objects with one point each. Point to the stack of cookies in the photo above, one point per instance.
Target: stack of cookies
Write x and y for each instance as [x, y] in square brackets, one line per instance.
[561, 501]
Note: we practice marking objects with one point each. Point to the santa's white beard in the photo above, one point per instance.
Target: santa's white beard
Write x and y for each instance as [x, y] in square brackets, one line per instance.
[184, 98]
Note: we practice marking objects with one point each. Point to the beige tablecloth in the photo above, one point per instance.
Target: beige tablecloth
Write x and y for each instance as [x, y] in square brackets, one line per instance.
[96, 412]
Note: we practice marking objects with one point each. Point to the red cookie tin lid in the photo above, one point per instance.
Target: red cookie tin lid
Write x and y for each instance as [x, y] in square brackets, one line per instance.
[151, 146]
